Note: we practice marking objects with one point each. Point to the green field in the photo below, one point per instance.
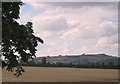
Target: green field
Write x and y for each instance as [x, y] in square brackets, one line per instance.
[45, 74]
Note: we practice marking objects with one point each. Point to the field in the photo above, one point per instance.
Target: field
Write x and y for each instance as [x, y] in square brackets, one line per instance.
[45, 74]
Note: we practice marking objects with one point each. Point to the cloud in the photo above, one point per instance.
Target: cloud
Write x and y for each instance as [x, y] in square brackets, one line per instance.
[70, 1]
[37, 4]
[50, 24]
[67, 28]
[24, 18]
[109, 28]
[102, 45]
[82, 50]
[53, 48]
[68, 17]
[70, 34]
[113, 39]
[102, 42]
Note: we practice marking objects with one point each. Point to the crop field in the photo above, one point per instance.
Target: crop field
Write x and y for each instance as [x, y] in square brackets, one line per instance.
[50, 74]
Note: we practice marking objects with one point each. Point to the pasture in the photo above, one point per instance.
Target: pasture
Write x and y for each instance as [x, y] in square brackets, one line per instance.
[51, 74]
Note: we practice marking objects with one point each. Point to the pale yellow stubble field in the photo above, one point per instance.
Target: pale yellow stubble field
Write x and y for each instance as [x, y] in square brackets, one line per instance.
[47, 74]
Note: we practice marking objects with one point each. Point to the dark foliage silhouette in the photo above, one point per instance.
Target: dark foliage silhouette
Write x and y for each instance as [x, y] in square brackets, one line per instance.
[18, 41]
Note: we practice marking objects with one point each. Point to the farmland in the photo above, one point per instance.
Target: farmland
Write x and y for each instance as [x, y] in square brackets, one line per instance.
[46, 74]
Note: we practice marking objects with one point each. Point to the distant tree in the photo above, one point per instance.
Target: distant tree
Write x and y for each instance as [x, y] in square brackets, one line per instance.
[59, 55]
[31, 63]
[97, 64]
[18, 41]
[110, 63]
[70, 64]
[83, 54]
[44, 60]
[48, 56]
[102, 65]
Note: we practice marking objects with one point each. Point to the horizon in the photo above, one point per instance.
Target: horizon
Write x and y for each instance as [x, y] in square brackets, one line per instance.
[78, 55]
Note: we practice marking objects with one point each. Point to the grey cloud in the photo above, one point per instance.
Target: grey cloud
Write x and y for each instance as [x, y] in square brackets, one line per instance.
[109, 32]
[71, 0]
[81, 4]
[113, 39]
[55, 25]
[87, 35]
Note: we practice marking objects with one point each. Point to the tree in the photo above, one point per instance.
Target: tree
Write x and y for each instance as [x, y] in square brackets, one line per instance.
[18, 41]
[111, 64]
[44, 60]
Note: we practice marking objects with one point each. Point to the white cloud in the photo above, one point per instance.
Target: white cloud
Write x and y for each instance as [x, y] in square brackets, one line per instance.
[68, 22]
[109, 28]
[60, 18]
[49, 23]
[36, 5]
[102, 42]
[70, 34]
[82, 50]
[53, 48]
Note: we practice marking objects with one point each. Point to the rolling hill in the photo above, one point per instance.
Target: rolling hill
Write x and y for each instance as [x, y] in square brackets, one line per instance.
[81, 59]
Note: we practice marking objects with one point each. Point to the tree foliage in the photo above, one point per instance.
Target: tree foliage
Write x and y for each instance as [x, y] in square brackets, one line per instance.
[18, 41]
[44, 60]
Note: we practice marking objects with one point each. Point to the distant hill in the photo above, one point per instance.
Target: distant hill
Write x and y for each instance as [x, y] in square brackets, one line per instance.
[84, 59]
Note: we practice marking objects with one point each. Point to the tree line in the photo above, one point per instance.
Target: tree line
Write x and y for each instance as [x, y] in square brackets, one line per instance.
[98, 65]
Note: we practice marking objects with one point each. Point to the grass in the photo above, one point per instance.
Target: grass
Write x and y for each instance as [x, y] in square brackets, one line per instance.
[46, 74]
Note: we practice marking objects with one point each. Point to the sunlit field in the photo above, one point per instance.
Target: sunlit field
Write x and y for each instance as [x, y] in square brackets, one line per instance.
[45, 74]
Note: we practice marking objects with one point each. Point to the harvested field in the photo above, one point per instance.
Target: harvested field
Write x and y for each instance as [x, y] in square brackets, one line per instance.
[46, 74]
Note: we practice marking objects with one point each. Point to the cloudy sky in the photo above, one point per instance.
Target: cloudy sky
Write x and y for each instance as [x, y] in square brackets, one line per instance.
[69, 28]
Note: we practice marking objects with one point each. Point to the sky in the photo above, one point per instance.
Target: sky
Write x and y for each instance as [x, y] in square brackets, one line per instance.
[73, 28]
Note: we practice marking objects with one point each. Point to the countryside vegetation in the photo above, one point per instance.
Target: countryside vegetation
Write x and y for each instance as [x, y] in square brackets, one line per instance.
[98, 65]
